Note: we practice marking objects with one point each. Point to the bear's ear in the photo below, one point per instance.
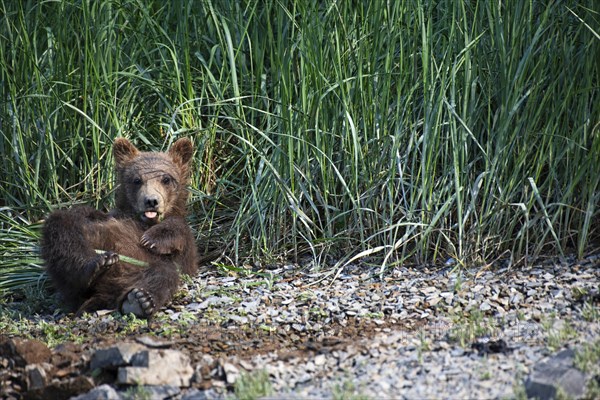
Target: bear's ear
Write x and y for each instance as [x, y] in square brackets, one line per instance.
[182, 151]
[124, 151]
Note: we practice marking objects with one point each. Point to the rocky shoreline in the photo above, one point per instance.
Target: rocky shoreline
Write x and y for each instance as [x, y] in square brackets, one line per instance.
[419, 332]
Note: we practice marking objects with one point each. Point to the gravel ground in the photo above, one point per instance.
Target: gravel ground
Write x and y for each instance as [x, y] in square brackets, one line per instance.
[416, 332]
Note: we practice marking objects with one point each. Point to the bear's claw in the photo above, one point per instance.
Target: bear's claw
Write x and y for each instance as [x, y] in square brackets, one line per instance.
[138, 302]
[100, 264]
[157, 246]
[147, 243]
[108, 258]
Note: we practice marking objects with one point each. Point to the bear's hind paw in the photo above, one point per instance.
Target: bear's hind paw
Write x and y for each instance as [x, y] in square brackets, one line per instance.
[139, 303]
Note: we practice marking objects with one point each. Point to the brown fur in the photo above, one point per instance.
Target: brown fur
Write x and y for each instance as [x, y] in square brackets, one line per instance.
[88, 281]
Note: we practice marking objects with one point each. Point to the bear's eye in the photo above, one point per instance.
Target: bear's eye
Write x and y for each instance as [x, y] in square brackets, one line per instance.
[137, 181]
[166, 180]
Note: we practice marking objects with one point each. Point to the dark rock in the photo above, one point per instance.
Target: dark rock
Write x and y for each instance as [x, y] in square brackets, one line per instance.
[24, 351]
[116, 356]
[66, 355]
[62, 389]
[491, 347]
[556, 372]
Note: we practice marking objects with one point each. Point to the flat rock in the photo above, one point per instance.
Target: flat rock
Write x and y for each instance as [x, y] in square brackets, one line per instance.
[553, 373]
[157, 367]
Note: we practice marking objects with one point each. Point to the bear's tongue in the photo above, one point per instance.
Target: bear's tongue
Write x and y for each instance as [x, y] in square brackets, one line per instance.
[150, 214]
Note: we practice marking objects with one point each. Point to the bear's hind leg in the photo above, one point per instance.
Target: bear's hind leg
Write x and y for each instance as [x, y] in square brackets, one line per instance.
[69, 256]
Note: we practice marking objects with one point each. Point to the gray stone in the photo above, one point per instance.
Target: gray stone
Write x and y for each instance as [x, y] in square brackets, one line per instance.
[102, 392]
[195, 394]
[232, 373]
[251, 306]
[37, 377]
[213, 301]
[320, 360]
[116, 356]
[239, 319]
[554, 373]
[153, 342]
[485, 306]
[157, 367]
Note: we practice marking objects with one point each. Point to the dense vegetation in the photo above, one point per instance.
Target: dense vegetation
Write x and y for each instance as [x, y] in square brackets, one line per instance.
[392, 130]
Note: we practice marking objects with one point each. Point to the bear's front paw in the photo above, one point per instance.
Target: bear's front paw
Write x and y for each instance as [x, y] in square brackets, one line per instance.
[139, 303]
[100, 264]
[159, 242]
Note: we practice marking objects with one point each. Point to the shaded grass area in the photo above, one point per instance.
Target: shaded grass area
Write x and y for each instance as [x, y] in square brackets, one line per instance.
[380, 131]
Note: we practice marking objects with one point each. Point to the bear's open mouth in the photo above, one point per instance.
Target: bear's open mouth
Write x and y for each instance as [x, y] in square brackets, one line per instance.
[150, 214]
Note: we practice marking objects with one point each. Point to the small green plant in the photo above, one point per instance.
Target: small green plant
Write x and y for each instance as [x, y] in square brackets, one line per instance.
[556, 338]
[186, 318]
[317, 313]
[347, 391]
[375, 315]
[579, 292]
[253, 385]
[214, 316]
[590, 312]
[562, 395]
[485, 375]
[592, 390]
[458, 284]
[188, 280]
[132, 324]
[11, 323]
[137, 392]
[468, 327]
[267, 328]
[56, 333]
[305, 295]
[587, 358]
[424, 346]
[519, 391]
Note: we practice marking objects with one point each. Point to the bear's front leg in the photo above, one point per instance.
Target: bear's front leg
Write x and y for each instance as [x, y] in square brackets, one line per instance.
[168, 237]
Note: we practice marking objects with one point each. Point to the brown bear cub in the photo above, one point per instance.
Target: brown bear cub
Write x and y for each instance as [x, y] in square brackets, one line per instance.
[81, 246]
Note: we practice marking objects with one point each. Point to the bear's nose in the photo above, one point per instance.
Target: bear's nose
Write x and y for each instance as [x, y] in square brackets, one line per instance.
[151, 202]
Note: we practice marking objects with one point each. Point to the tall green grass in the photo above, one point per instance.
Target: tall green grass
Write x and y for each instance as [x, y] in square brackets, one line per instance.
[390, 131]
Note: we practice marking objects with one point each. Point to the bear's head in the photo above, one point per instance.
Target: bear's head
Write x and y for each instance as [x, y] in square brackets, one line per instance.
[152, 185]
